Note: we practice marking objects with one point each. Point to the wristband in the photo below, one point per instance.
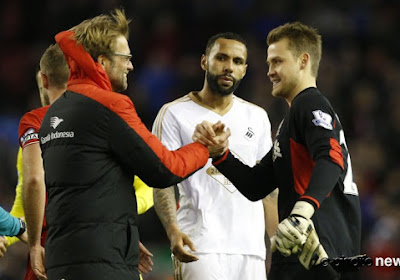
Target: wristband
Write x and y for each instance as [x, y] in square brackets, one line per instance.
[303, 209]
[22, 228]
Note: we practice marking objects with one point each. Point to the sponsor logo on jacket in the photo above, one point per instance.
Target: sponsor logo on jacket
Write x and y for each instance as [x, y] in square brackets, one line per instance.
[56, 135]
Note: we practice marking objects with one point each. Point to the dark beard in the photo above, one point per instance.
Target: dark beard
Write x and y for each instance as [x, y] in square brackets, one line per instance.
[212, 81]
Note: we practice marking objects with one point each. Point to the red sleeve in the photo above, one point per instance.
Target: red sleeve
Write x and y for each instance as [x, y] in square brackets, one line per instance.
[181, 162]
[28, 130]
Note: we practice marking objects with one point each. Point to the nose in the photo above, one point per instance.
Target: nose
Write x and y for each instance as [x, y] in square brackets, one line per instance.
[130, 66]
[270, 71]
[228, 66]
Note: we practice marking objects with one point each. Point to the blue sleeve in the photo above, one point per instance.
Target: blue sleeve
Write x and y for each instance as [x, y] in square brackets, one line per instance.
[9, 225]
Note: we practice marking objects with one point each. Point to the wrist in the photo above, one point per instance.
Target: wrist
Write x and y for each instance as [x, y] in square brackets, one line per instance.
[303, 209]
[22, 228]
[172, 229]
[219, 158]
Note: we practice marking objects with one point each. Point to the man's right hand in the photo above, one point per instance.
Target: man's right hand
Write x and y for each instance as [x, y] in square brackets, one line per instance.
[213, 136]
[36, 253]
[178, 241]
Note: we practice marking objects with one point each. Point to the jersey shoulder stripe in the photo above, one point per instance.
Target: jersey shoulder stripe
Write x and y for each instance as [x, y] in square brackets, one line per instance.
[241, 100]
[157, 127]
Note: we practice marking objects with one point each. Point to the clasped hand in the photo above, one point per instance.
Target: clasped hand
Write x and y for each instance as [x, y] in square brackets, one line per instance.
[213, 136]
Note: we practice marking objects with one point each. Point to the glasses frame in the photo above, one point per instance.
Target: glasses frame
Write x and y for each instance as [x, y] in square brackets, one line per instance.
[128, 57]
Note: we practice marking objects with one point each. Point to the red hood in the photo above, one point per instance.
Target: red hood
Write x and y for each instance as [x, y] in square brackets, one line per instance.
[83, 69]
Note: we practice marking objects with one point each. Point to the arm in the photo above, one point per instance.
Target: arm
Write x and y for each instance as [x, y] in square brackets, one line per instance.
[166, 127]
[318, 133]
[165, 206]
[9, 225]
[34, 197]
[253, 182]
[143, 152]
[319, 130]
[270, 203]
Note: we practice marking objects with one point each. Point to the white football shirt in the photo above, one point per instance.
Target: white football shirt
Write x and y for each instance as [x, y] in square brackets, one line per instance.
[215, 215]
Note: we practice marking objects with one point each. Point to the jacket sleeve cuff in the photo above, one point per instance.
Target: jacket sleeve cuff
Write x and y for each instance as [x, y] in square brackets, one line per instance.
[221, 158]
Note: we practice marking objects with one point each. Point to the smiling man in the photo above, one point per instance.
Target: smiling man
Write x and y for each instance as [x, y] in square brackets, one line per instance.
[90, 158]
[223, 230]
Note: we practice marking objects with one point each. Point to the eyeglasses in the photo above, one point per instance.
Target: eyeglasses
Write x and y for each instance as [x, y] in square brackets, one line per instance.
[127, 57]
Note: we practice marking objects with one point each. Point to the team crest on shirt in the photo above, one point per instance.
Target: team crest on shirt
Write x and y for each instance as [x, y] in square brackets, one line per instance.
[322, 119]
[249, 135]
[55, 121]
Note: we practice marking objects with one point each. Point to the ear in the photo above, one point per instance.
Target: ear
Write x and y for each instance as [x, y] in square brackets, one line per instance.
[101, 59]
[45, 80]
[244, 71]
[203, 62]
[304, 60]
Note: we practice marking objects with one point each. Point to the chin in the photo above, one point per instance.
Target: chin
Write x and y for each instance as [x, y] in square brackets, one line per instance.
[275, 93]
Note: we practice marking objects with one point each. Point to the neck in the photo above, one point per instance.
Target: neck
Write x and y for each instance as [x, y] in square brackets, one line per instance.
[54, 94]
[305, 83]
[213, 100]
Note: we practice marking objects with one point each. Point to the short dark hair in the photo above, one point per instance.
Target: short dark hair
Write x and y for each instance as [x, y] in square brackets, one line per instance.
[225, 35]
[302, 38]
[54, 66]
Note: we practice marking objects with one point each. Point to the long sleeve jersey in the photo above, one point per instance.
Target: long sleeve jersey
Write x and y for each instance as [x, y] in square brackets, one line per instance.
[309, 161]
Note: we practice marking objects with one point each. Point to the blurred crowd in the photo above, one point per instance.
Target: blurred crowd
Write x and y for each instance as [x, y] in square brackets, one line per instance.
[359, 73]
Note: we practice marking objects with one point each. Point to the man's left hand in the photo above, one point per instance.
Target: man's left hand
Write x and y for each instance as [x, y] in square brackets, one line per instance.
[145, 259]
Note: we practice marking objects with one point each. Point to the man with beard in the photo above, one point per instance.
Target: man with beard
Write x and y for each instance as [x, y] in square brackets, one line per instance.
[223, 231]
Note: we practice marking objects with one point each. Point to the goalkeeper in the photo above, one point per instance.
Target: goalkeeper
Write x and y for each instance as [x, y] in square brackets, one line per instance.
[318, 202]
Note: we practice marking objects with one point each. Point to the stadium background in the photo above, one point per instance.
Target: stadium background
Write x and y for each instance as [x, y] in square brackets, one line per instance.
[360, 74]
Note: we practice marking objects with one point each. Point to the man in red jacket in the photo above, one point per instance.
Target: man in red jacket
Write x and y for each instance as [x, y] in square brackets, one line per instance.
[92, 141]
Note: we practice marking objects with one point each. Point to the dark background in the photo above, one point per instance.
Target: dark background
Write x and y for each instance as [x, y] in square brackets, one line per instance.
[359, 73]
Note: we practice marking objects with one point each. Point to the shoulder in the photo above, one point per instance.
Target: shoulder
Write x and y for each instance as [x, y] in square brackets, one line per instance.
[250, 107]
[179, 106]
[180, 102]
[35, 115]
[32, 119]
[111, 100]
[310, 97]
[29, 126]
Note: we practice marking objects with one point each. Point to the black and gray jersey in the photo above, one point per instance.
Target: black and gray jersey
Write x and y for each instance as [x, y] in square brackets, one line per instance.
[309, 161]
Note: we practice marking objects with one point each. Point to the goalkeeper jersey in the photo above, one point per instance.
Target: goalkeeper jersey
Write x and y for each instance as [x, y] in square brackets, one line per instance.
[217, 217]
[309, 161]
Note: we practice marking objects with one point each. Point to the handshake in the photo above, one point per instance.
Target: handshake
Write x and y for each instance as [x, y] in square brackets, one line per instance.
[296, 235]
[213, 136]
